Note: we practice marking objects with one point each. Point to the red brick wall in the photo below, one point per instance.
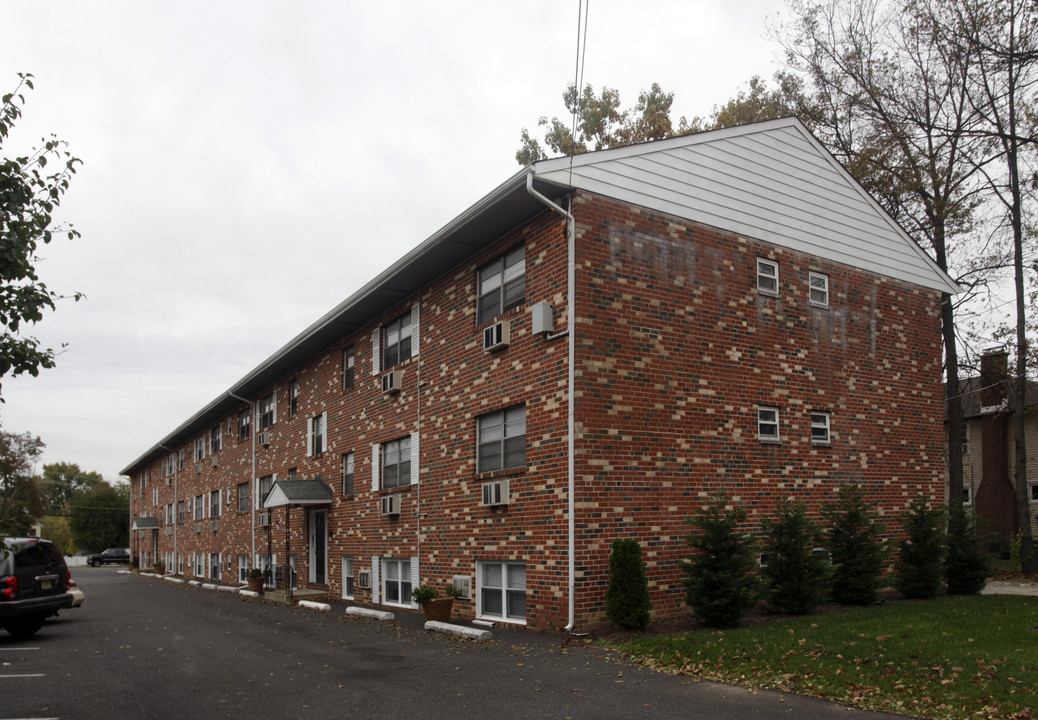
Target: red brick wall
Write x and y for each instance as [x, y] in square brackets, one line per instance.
[675, 350]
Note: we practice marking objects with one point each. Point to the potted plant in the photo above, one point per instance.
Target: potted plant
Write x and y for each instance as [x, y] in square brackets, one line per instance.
[160, 568]
[256, 578]
[433, 606]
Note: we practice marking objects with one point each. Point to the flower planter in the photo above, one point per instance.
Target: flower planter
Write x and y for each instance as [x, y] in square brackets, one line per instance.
[438, 610]
[255, 584]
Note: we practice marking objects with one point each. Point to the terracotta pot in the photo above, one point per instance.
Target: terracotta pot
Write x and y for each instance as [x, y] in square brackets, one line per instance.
[438, 609]
[255, 584]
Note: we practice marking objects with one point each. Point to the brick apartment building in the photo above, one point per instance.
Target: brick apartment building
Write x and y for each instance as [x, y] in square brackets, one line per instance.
[744, 318]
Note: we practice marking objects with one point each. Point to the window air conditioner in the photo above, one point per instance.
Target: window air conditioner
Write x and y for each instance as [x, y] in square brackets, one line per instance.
[213, 461]
[198, 527]
[390, 504]
[214, 525]
[391, 382]
[263, 519]
[169, 531]
[263, 439]
[169, 480]
[364, 579]
[496, 337]
[495, 493]
[463, 584]
[198, 468]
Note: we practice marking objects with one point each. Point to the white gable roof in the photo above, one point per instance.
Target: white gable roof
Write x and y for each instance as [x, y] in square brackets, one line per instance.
[772, 181]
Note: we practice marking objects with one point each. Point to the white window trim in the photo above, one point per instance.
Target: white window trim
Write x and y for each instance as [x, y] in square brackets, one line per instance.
[828, 425]
[406, 564]
[504, 600]
[765, 263]
[776, 422]
[310, 434]
[811, 277]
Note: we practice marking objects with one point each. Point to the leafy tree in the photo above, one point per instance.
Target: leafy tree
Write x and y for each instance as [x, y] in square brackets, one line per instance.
[918, 564]
[966, 565]
[29, 195]
[100, 517]
[855, 550]
[62, 480]
[55, 529]
[720, 580]
[627, 598]
[20, 500]
[795, 577]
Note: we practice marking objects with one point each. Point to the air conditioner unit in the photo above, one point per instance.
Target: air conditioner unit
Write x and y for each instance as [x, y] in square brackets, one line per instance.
[364, 579]
[169, 531]
[213, 461]
[214, 525]
[495, 493]
[198, 468]
[198, 527]
[463, 584]
[263, 439]
[169, 480]
[263, 519]
[390, 504]
[391, 382]
[496, 337]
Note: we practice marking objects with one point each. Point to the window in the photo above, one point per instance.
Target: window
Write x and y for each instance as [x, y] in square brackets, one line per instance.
[265, 484]
[967, 494]
[214, 503]
[349, 361]
[397, 584]
[315, 441]
[819, 289]
[214, 565]
[293, 474]
[767, 423]
[767, 277]
[215, 440]
[268, 411]
[502, 284]
[396, 341]
[171, 462]
[180, 511]
[965, 438]
[244, 421]
[347, 577]
[1033, 490]
[293, 397]
[199, 449]
[396, 463]
[347, 474]
[155, 496]
[181, 459]
[820, 428]
[502, 439]
[199, 508]
[243, 568]
[502, 590]
[243, 497]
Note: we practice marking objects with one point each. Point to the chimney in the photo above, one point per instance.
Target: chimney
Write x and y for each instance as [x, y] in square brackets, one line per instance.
[994, 372]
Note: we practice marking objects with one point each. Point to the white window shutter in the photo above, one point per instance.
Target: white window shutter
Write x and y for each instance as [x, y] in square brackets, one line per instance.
[414, 578]
[376, 584]
[309, 437]
[324, 431]
[414, 459]
[415, 312]
[376, 348]
[376, 457]
[275, 408]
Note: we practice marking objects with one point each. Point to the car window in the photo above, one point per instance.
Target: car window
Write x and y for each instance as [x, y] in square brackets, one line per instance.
[37, 554]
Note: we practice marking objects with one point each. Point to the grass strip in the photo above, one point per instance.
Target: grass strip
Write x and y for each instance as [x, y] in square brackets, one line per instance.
[951, 657]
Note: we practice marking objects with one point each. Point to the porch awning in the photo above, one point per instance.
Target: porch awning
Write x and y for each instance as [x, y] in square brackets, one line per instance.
[145, 523]
[298, 492]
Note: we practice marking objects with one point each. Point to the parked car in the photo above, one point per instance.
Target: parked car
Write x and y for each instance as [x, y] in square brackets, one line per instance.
[111, 556]
[33, 584]
[77, 595]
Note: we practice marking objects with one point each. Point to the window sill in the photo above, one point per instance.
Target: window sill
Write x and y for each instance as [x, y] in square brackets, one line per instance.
[768, 293]
[770, 441]
[502, 621]
[494, 474]
[821, 444]
[818, 305]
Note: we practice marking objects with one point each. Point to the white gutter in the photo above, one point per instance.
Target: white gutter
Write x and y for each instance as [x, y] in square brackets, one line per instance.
[571, 272]
[252, 481]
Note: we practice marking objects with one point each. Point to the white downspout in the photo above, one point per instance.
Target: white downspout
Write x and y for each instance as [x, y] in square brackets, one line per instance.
[571, 272]
[252, 480]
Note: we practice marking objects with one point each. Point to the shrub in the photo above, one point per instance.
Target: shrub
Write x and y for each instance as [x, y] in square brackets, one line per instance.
[919, 555]
[795, 577]
[855, 549]
[966, 566]
[627, 598]
[721, 581]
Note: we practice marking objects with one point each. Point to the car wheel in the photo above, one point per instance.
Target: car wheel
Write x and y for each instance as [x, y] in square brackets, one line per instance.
[95, 562]
[24, 627]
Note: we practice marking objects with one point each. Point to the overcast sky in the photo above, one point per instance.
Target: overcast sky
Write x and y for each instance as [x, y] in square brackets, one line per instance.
[249, 165]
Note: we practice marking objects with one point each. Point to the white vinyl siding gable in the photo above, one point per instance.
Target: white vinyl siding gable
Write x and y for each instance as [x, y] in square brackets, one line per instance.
[772, 181]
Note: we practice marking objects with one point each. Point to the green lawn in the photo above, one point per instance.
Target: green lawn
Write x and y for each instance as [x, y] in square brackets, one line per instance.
[953, 657]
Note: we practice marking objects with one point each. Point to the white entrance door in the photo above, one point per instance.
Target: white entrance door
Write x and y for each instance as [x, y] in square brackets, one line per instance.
[319, 547]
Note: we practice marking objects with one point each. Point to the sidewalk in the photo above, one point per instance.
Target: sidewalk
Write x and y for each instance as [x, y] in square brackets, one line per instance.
[1011, 587]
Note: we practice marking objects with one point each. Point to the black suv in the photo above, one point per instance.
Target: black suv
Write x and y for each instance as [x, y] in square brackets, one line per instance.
[111, 556]
[33, 584]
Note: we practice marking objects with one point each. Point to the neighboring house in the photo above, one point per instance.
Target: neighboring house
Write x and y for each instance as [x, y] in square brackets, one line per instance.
[989, 450]
[745, 319]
